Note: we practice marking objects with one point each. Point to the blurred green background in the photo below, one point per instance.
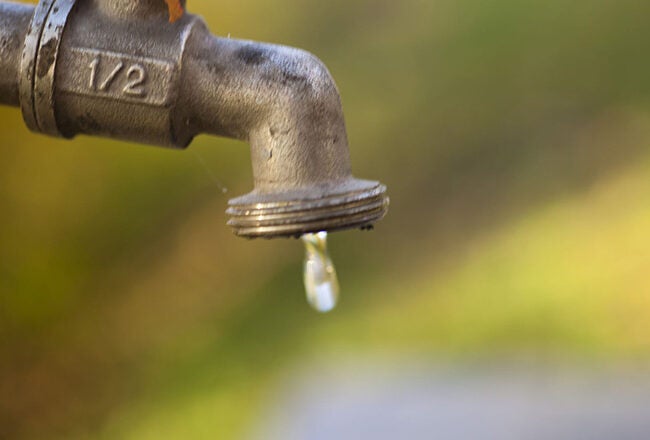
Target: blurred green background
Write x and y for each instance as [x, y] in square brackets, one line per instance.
[513, 137]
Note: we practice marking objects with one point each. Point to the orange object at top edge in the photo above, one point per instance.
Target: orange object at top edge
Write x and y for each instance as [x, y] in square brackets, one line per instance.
[175, 10]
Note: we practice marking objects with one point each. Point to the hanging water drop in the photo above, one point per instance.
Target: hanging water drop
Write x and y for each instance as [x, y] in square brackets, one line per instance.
[321, 283]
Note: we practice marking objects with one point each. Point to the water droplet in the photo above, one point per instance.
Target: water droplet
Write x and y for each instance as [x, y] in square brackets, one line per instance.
[321, 283]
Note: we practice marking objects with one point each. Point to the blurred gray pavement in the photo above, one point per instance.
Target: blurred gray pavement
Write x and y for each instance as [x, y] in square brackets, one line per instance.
[393, 401]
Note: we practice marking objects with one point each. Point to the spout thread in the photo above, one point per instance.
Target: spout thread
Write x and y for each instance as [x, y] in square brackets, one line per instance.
[297, 217]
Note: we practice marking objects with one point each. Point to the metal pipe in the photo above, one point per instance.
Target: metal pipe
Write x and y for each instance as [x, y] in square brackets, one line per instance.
[117, 68]
[14, 23]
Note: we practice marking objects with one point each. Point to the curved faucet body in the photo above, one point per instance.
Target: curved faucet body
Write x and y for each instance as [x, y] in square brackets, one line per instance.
[119, 69]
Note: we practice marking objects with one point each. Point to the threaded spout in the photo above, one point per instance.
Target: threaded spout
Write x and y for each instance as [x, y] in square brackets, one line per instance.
[285, 103]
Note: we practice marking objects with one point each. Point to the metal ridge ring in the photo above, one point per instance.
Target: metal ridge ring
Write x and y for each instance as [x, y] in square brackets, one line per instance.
[28, 63]
[38, 65]
[46, 61]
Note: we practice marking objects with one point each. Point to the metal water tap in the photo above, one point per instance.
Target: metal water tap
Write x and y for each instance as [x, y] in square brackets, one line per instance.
[120, 69]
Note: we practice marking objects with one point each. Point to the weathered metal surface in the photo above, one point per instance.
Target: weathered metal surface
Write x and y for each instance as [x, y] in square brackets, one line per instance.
[119, 69]
[14, 24]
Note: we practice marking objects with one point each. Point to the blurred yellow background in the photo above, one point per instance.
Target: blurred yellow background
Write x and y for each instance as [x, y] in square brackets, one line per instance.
[513, 137]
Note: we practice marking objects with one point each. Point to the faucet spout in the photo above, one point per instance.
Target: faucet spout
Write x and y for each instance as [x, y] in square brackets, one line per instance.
[285, 103]
[282, 100]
